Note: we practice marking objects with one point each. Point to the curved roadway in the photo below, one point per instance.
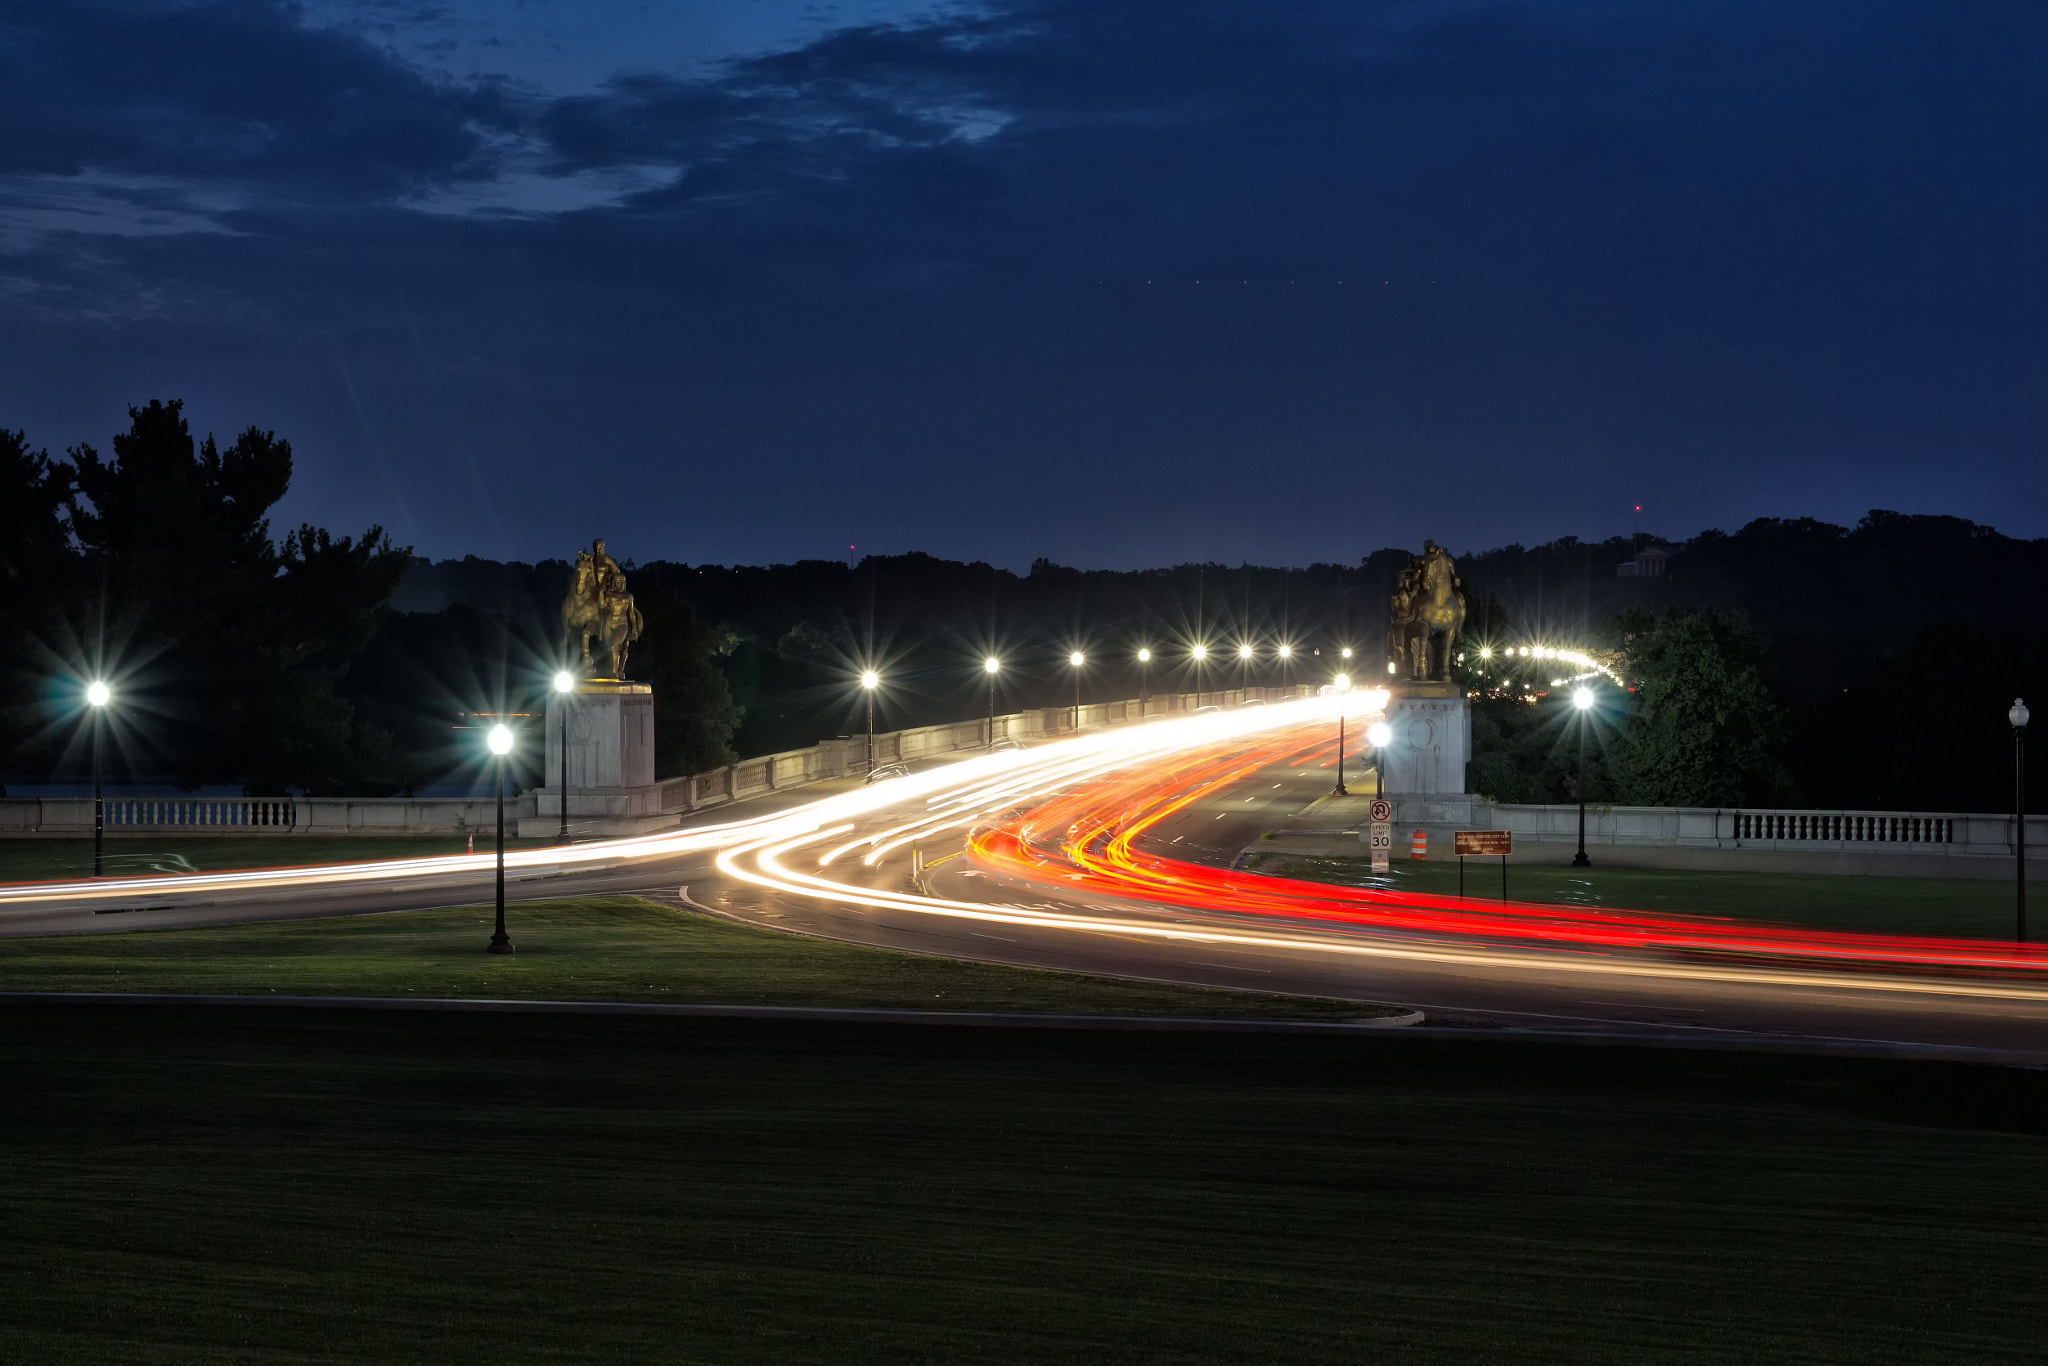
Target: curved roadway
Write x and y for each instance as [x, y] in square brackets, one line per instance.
[1110, 853]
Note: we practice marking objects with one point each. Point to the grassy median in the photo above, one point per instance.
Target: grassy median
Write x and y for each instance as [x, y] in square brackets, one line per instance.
[223, 1185]
[618, 948]
[1962, 907]
[46, 860]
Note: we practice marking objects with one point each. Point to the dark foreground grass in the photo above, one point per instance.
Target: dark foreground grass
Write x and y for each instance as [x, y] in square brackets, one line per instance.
[44, 860]
[1962, 907]
[618, 948]
[228, 1185]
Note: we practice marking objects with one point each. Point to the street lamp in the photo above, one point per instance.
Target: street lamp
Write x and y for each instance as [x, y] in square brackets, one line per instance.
[1199, 655]
[565, 683]
[97, 695]
[1144, 676]
[1244, 672]
[992, 666]
[1286, 654]
[1582, 699]
[869, 681]
[1343, 690]
[500, 741]
[2018, 717]
[1077, 659]
[1379, 735]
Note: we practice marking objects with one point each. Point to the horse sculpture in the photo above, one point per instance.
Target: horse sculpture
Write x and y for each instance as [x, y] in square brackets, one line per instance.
[1428, 615]
[598, 606]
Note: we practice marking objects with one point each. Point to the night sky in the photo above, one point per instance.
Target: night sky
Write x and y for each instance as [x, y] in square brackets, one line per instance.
[1116, 283]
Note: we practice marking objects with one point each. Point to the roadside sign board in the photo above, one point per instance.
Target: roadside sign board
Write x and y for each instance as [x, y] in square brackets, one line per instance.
[1382, 811]
[1496, 842]
[1380, 835]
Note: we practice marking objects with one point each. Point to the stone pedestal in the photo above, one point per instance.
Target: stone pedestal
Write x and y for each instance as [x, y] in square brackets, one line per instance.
[611, 761]
[1432, 727]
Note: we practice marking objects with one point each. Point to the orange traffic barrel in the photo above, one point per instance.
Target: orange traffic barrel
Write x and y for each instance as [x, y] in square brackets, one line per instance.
[1418, 847]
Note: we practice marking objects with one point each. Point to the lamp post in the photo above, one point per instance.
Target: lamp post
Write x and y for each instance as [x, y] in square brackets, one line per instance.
[1343, 691]
[565, 683]
[1244, 673]
[991, 666]
[1379, 735]
[1199, 656]
[1144, 677]
[1286, 654]
[500, 741]
[1077, 659]
[1582, 699]
[869, 681]
[97, 695]
[2018, 717]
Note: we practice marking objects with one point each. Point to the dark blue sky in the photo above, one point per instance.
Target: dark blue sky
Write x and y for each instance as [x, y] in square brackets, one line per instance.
[1118, 283]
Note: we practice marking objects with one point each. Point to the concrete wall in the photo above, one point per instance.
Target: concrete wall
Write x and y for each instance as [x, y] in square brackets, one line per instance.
[50, 816]
[1889, 843]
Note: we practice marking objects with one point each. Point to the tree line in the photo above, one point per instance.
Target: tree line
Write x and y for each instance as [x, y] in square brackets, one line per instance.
[1790, 661]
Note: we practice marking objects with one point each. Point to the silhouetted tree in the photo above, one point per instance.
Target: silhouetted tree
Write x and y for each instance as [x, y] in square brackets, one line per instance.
[1707, 730]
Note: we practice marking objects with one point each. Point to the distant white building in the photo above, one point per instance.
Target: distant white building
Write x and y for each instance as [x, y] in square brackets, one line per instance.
[1651, 562]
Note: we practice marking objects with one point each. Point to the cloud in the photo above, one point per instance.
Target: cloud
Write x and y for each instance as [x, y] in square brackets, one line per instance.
[1756, 247]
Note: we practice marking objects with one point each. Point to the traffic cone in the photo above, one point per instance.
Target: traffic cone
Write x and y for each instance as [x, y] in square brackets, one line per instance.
[1418, 847]
[472, 841]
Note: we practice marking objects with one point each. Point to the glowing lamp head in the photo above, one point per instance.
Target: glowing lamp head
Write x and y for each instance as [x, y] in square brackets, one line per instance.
[1244, 652]
[98, 694]
[1345, 652]
[1583, 699]
[2018, 714]
[1486, 652]
[500, 739]
[1077, 659]
[992, 665]
[1285, 652]
[1390, 666]
[1343, 682]
[1379, 735]
[1144, 656]
[1200, 652]
[565, 681]
[870, 680]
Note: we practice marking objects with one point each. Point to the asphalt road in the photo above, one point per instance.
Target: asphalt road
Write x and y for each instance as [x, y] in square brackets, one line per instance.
[1515, 989]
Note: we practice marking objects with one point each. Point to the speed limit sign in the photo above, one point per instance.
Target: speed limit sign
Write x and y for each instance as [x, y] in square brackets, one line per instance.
[1382, 811]
[1380, 837]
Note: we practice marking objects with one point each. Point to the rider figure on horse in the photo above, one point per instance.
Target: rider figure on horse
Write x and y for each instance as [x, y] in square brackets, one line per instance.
[599, 605]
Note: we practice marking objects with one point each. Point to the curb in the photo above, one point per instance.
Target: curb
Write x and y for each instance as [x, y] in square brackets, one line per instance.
[831, 1014]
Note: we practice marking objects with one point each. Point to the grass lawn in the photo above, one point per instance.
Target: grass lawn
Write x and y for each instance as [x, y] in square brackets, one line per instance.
[590, 949]
[42, 860]
[227, 1185]
[1962, 907]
